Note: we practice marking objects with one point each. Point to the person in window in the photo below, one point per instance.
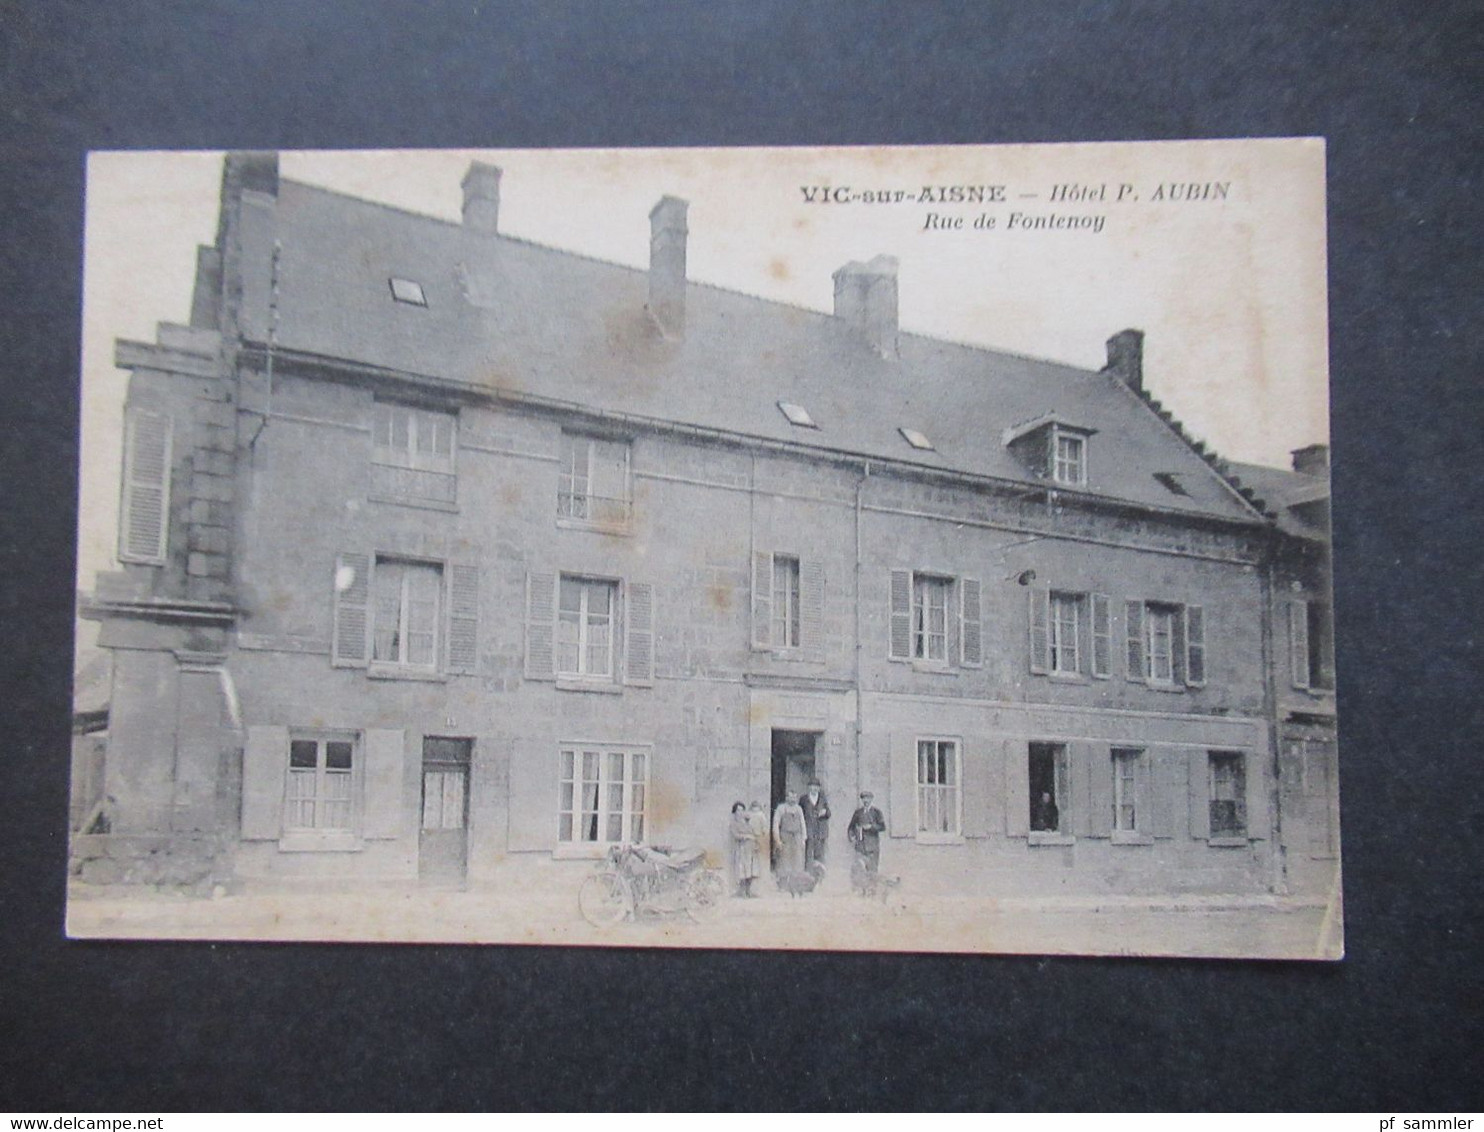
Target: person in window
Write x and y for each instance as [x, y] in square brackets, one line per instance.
[743, 850]
[865, 829]
[816, 824]
[790, 833]
[1045, 818]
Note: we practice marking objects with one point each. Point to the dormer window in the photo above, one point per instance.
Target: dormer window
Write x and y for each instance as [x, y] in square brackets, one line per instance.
[797, 415]
[916, 439]
[407, 291]
[1068, 456]
[1051, 448]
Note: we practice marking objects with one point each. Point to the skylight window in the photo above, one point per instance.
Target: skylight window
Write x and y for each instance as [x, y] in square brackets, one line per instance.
[916, 439]
[407, 291]
[1172, 483]
[797, 414]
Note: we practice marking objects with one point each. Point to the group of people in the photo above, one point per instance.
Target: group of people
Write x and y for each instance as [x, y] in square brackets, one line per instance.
[799, 835]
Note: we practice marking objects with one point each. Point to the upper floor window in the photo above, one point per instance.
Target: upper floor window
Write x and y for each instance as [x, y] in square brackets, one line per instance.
[593, 484]
[930, 617]
[585, 627]
[785, 601]
[1311, 644]
[1071, 633]
[144, 514]
[405, 628]
[1166, 643]
[1068, 457]
[1066, 615]
[413, 455]
[935, 619]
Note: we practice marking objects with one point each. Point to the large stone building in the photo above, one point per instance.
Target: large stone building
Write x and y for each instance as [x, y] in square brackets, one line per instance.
[452, 557]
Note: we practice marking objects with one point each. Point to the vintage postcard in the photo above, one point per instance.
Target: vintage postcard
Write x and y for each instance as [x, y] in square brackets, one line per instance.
[919, 549]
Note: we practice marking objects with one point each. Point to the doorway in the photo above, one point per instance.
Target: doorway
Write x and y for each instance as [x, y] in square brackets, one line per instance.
[443, 838]
[793, 763]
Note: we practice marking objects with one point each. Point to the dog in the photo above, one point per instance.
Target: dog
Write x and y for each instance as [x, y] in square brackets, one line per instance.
[798, 884]
[872, 885]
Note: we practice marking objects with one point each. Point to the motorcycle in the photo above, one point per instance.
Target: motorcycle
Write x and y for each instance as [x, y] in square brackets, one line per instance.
[635, 880]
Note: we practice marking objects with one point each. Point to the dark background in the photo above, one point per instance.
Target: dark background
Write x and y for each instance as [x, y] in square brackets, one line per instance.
[1396, 90]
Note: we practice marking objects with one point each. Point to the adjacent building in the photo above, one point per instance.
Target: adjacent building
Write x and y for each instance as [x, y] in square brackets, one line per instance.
[451, 558]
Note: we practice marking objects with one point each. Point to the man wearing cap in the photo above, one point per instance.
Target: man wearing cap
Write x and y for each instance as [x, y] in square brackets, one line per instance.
[865, 830]
[816, 823]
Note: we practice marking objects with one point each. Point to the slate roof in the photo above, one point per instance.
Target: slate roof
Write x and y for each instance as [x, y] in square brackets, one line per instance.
[1282, 491]
[563, 326]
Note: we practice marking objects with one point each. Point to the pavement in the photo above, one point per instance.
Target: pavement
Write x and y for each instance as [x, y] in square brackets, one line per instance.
[1227, 926]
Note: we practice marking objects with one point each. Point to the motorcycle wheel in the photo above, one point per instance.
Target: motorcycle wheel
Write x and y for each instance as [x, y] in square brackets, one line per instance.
[708, 894]
[604, 900]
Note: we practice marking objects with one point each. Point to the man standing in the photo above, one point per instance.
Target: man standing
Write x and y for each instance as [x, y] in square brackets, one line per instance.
[866, 827]
[790, 834]
[816, 823]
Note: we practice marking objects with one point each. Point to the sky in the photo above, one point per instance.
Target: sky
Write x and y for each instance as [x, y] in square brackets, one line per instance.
[1229, 288]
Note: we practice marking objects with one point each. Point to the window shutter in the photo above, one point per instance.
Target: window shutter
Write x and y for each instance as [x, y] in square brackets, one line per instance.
[970, 635]
[979, 776]
[1133, 616]
[1298, 641]
[1102, 637]
[383, 756]
[639, 635]
[463, 617]
[1039, 618]
[1169, 771]
[1100, 791]
[533, 798]
[1178, 647]
[1145, 820]
[901, 615]
[1200, 795]
[901, 817]
[145, 507]
[265, 761]
[1017, 789]
[540, 626]
[1076, 810]
[1257, 796]
[1195, 646]
[811, 608]
[762, 599]
[351, 639]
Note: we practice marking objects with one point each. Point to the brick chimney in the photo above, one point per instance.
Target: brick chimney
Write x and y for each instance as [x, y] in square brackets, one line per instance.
[866, 298]
[481, 186]
[1312, 460]
[667, 235]
[1126, 358]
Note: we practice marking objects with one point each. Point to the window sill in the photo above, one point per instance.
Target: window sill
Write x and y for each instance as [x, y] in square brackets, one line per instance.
[1045, 837]
[625, 528]
[1068, 677]
[1227, 842]
[420, 504]
[309, 841]
[1155, 686]
[1131, 837]
[934, 667]
[401, 672]
[580, 850]
[939, 839]
[582, 684]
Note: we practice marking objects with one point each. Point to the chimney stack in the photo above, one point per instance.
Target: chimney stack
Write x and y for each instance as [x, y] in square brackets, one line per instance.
[1312, 460]
[667, 235]
[866, 298]
[1126, 358]
[481, 186]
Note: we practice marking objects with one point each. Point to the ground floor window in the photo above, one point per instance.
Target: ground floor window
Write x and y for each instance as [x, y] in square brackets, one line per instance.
[1125, 789]
[937, 787]
[1228, 794]
[1048, 787]
[603, 795]
[321, 773]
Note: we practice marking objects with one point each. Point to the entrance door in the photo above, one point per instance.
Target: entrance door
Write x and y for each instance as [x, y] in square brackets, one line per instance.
[443, 844]
[793, 763]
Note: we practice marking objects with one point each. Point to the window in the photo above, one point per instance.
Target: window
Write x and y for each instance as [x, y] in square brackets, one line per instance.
[1068, 457]
[785, 601]
[412, 455]
[937, 787]
[144, 513]
[796, 414]
[1311, 644]
[603, 795]
[407, 291]
[1126, 814]
[916, 439]
[1066, 613]
[1048, 779]
[930, 618]
[593, 483]
[585, 616]
[405, 614]
[319, 795]
[1228, 794]
[1166, 644]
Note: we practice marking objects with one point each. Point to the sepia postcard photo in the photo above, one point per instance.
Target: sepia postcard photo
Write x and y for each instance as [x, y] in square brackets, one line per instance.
[910, 549]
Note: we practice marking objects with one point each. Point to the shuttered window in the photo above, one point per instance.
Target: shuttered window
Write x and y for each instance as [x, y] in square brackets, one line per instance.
[1166, 644]
[399, 614]
[145, 505]
[788, 604]
[319, 795]
[406, 612]
[579, 629]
